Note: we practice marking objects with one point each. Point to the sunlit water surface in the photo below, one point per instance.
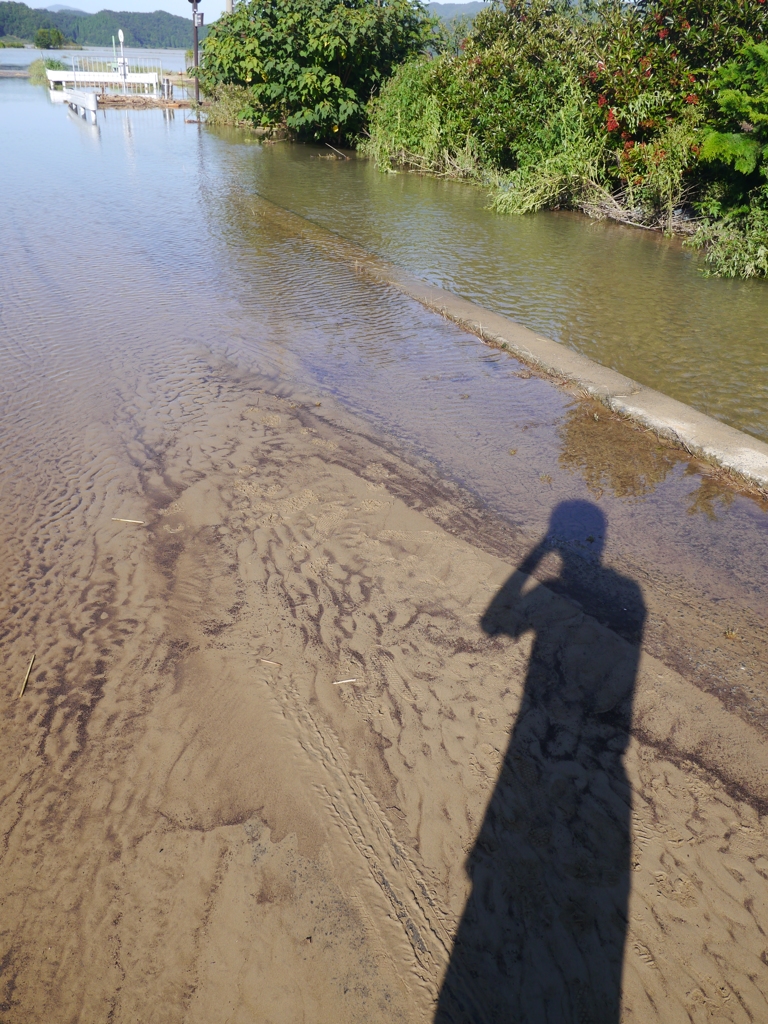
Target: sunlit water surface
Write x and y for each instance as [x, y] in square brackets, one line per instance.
[134, 257]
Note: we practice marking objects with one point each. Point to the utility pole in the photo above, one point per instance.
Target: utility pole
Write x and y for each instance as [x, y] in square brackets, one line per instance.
[197, 21]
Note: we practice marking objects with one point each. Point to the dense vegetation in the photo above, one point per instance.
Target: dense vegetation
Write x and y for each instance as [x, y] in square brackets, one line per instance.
[37, 68]
[158, 29]
[50, 39]
[653, 112]
[312, 65]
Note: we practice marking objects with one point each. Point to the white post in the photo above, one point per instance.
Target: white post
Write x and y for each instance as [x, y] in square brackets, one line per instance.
[123, 61]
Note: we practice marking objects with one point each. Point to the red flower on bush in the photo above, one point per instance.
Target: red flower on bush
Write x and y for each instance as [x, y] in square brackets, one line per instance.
[611, 124]
[664, 33]
[690, 98]
[601, 100]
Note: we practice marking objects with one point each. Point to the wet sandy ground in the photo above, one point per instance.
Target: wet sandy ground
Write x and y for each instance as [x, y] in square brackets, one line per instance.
[302, 746]
[268, 731]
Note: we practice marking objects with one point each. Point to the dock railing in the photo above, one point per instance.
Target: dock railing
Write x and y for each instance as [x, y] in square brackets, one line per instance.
[135, 76]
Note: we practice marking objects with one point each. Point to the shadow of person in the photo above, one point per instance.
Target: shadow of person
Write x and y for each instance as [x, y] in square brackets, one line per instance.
[541, 939]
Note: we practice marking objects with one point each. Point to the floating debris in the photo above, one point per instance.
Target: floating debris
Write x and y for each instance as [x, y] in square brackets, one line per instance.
[340, 681]
[138, 522]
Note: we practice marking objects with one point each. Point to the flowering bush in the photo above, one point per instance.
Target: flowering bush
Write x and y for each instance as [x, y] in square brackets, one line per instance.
[651, 111]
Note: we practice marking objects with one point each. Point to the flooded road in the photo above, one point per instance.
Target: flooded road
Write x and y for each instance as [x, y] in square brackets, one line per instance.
[631, 300]
[333, 484]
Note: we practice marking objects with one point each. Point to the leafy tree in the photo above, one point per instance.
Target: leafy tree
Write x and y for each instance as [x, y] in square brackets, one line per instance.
[312, 64]
[49, 38]
[742, 99]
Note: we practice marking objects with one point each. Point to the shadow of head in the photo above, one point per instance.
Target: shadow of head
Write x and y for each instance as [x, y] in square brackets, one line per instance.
[577, 533]
[577, 530]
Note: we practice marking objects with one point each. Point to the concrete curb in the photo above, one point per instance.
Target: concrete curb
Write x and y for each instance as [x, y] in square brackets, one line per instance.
[697, 433]
[694, 431]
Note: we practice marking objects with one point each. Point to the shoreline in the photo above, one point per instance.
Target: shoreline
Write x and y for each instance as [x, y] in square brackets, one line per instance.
[697, 433]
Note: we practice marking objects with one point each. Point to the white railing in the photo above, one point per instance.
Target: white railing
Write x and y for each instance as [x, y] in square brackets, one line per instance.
[85, 104]
[106, 78]
[126, 74]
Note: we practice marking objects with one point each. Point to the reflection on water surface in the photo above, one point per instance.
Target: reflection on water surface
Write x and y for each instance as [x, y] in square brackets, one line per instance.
[629, 299]
[140, 263]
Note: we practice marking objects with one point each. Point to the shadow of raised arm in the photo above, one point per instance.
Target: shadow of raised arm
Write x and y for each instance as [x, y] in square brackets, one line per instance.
[505, 613]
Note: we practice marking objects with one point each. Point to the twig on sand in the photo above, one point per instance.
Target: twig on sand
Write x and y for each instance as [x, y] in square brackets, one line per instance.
[342, 155]
[340, 681]
[139, 522]
[26, 677]
[275, 663]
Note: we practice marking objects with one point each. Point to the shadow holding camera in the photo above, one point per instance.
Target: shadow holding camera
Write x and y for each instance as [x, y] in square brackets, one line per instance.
[541, 939]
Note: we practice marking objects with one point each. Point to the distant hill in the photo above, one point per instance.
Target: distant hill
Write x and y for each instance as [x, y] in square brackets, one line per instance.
[63, 7]
[450, 11]
[158, 29]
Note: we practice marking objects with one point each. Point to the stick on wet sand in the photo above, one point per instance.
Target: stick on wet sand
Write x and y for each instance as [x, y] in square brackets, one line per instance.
[26, 677]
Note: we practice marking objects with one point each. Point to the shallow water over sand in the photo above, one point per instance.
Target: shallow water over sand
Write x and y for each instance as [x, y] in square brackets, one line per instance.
[334, 484]
[629, 299]
[147, 243]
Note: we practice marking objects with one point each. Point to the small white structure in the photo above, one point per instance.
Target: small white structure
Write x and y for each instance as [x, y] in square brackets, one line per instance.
[83, 103]
[136, 81]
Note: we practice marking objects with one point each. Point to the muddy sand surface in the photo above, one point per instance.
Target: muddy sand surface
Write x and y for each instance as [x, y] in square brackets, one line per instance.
[305, 746]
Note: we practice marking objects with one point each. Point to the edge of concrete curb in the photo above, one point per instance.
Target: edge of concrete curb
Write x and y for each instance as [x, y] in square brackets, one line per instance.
[697, 433]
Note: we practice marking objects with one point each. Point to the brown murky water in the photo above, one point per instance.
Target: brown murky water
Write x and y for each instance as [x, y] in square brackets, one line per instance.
[194, 813]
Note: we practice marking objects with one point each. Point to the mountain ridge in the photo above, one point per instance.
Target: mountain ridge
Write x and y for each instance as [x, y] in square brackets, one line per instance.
[158, 29]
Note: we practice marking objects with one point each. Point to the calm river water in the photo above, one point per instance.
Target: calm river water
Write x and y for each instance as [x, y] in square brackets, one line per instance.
[140, 253]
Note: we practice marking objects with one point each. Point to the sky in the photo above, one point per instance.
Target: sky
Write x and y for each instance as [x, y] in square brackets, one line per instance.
[210, 8]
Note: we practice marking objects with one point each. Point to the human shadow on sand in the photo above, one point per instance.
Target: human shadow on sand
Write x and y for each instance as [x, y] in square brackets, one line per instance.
[541, 939]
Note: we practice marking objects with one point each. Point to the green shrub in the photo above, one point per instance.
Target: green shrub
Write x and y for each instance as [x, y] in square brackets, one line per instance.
[496, 104]
[414, 126]
[37, 75]
[737, 244]
[228, 104]
[49, 39]
[736, 142]
[570, 170]
[312, 64]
